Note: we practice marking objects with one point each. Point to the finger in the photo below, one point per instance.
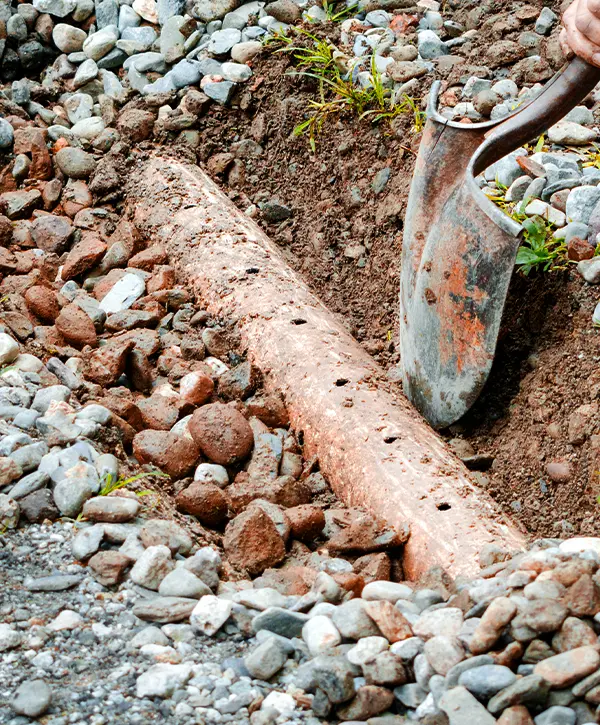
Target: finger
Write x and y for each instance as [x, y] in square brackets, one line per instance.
[594, 7]
[587, 24]
[570, 12]
[564, 44]
[582, 47]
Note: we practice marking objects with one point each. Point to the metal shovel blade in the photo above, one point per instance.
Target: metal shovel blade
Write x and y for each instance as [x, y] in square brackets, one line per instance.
[459, 248]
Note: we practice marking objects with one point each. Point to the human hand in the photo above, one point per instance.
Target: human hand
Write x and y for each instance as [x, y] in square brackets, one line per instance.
[581, 30]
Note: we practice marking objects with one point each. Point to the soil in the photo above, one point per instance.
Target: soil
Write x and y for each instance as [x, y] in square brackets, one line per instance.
[346, 241]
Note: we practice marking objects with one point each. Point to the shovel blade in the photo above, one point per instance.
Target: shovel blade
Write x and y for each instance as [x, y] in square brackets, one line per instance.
[458, 256]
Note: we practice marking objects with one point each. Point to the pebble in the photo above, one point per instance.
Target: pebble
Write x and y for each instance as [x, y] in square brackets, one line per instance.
[210, 614]
[32, 698]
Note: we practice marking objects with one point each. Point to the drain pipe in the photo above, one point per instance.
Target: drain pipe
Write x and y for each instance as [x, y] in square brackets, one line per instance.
[373, 447]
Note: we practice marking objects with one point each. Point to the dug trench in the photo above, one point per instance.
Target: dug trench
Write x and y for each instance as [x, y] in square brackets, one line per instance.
[345, 238]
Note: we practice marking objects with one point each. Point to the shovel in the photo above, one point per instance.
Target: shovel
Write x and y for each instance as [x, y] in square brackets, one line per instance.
[459, 248]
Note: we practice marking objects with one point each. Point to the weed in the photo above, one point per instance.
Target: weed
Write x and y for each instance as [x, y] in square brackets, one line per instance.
[338, 93]
[593, 158]
[334, 15]
[113, 484]
[539, 250]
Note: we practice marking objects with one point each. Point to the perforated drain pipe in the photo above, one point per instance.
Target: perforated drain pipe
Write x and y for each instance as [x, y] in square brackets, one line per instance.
[372, 446]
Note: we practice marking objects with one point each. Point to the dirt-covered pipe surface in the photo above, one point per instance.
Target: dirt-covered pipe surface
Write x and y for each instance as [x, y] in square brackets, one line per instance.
[371, 444]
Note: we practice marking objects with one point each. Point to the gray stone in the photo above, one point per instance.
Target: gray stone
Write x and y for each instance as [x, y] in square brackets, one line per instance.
[463, 709]
[86, 72]
[58, 8]
[70, 494]
[107, 13]
[32, 698]
[221, 92]
[529, 690]
[164, 609]
[162, 680]
[223, 41]
[182, 583]
[485, 681]
[410, 695]
[335, 677]
[582, 115]
[87, 542]
[205, 564]
[281, 621]
[589, 269]
[507, 170]
[28, 484]
[266, 660]
[352, 620]
[452, 678]
[56, 583]
[556, 716]
[581, 203]
[430, 45]
[52, 394]
[545, 21]
[168, 8]
[29, 457]
[9, 637]
[185, 73]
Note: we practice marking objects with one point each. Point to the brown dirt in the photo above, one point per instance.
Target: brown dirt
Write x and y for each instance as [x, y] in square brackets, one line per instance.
[546, 365]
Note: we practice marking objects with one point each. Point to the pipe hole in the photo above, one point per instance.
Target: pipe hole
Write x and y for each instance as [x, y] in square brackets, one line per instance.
[340, 382]
[298, 321]
[252, 270]
[390, 439]
[443, 506]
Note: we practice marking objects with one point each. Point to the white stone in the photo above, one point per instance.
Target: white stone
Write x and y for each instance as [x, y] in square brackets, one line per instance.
[88, 128]
[58, 8]
[320, 634]
[579, 544]
[182, 583]
[537, 207]
[66, 620]
[79, 106]
[123, 294]
[161, 680]
[236, 72]
[366, 649]
[243, 52]
[9, 637]
[68, 38]
[210, 614]
[86, 72]
[387, 591]
[260, 599]
[146, 9]
[571, 134]
[280, 701]
[99, 44]
[152, 567]
[447, 621]
[9, 349]
[211, 473]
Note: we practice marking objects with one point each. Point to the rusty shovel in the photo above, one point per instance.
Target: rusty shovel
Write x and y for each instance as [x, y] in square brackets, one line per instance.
[459, 248]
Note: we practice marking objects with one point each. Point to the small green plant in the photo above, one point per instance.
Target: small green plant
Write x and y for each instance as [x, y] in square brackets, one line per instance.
[114, 484]
[338, 93]
[539, 250]
[334, 15]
